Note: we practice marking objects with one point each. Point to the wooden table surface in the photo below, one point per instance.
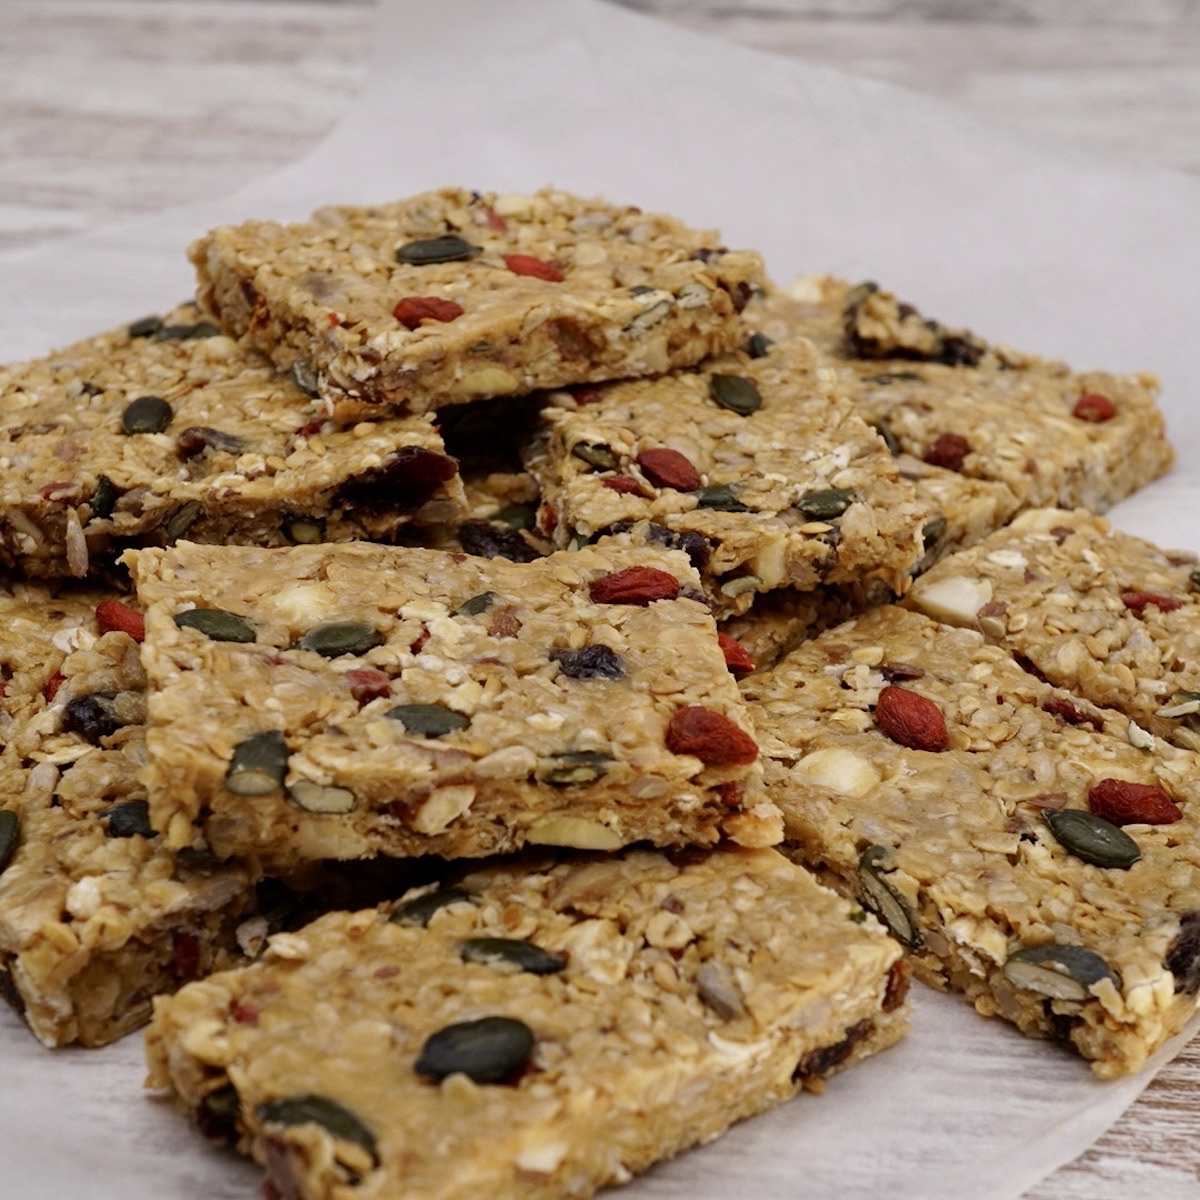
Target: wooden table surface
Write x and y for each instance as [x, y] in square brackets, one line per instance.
[113, 107]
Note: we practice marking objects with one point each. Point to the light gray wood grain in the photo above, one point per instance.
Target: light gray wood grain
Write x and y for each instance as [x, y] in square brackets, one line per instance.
[113, 107]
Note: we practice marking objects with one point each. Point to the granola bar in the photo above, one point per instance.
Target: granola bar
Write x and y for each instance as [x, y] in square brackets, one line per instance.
[96, 916]
[345, 700]
[541, 1030]
[166, 427]
[1100, 612]
[457, 295]
[1006, 831]
[750, 464]
[1051, 435]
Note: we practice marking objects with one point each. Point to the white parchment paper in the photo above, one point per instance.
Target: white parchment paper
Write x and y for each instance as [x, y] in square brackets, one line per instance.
[1036, 246]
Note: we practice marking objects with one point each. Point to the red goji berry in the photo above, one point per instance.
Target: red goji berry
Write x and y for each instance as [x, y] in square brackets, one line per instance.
[526, 264]
[412, 310]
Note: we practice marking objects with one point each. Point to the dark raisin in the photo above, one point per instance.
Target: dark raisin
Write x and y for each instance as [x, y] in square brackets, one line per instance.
[488, 540]
[198, 438]
[132, 818]
[1183, 955]
[104, 498]
[589, 662]
[818, 1063]
[405, 481]
[93, 717]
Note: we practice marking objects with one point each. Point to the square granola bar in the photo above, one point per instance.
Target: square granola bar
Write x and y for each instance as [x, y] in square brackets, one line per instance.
[457, 295]
[1049, 434]
[96, 917]
[339, 701]
[751, 464]
[538, 1030]
[1100, 612]
[1008, 832]
[166, 428]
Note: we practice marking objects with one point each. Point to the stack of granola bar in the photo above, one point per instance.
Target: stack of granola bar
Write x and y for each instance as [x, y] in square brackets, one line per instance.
[472, 570]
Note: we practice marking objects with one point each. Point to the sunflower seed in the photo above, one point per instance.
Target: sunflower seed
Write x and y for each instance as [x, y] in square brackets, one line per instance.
[305, 531]
[318, 798]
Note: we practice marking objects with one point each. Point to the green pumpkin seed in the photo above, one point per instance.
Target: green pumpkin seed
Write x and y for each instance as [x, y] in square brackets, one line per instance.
[516, 516]
[890, 440]
[305, 531]
[10, 835]
[488, 1050]
[304, 377]
[218, 1112]
[104, 498]
[428, 720]
[757, 345]
[736, 393]
[477, 604]
[335, 638]
[1092, 838]
[130, 819]
[931, 531]
[600, 457]
[825, 504]
[217, 624]
[146, 414]
[886, 377]
[882, 899]
[511, 952]
[1194, 581]
[720, 496]
[182, 519]
[319, 798]
[1058, 971]
[447, 248]
[258, 765]
[186, 333]
[145, 327]
[576, 766]
[334, 1118]
[856, 295]
[419, 910]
